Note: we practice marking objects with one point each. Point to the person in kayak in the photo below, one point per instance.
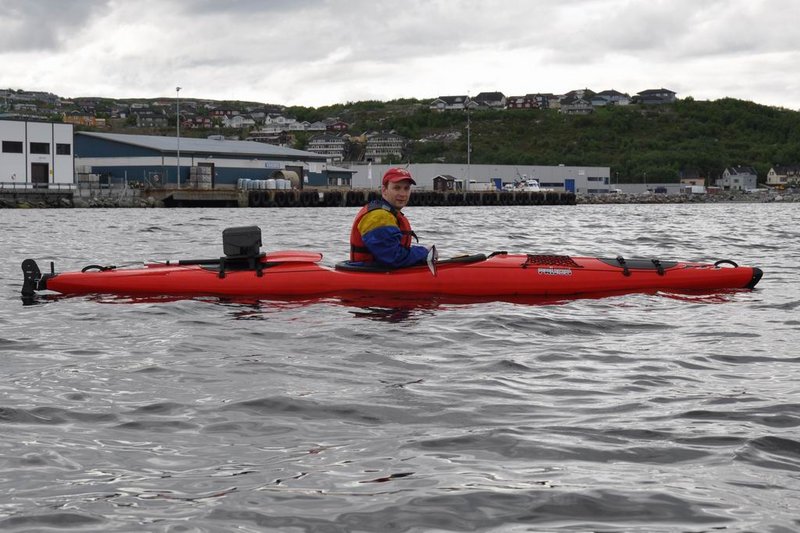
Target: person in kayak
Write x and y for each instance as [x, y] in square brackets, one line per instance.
[381, 233]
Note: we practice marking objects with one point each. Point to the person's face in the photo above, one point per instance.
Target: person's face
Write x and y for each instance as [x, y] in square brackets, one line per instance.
[397, 193]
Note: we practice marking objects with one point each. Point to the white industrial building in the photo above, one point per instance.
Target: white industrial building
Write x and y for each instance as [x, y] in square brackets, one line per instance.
[36, 154]
[583, 179]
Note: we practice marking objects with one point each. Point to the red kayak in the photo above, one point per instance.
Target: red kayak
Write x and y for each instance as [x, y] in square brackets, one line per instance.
[299, 274]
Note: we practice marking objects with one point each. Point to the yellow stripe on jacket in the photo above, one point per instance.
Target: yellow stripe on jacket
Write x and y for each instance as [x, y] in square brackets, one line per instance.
[376, 219]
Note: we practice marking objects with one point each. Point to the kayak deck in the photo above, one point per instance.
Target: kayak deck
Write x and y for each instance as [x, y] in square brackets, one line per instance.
[300, 274]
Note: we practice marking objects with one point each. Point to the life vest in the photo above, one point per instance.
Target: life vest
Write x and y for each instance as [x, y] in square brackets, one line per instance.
[359, 251]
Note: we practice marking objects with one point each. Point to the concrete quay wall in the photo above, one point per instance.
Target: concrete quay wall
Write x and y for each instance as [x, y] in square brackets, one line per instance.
[357, 198]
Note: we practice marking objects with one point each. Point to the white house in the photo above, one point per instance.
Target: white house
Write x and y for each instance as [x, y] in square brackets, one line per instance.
[382, 145]
[333, 147]
[238, 121]
[449, 103]
[738, 178]
[274, 118]
[610, 97]
[36, 154]
[782, 175]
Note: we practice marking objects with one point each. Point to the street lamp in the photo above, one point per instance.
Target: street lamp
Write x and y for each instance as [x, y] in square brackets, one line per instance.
[178, 134]
[469, 144]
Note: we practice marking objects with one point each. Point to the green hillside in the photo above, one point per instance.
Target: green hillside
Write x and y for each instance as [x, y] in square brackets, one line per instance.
[659, 141]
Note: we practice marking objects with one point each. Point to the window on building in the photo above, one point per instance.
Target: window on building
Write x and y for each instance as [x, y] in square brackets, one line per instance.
[12, 147]
[63, 149]
[40, 148]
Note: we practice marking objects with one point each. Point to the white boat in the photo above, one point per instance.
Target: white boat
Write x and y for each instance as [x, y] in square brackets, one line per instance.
[529, 185]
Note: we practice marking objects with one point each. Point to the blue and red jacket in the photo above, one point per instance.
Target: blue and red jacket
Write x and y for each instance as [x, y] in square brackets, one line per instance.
[382, 234]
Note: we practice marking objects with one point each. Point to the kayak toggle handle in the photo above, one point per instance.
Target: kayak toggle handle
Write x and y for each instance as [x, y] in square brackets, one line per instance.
[622, 263]
[726, 262]
[101, 268]
[658, 265]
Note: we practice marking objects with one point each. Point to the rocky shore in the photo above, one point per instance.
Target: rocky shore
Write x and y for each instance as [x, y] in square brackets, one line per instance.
[720, 197]
[80, 203]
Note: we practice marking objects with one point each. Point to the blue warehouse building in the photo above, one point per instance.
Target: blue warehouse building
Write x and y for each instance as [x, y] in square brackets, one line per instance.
[157, 161]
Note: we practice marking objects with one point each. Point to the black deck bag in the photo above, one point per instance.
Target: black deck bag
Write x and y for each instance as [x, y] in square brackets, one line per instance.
[243, 241]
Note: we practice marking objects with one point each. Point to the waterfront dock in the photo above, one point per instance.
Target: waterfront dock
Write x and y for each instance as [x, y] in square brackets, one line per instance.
[357, 198]
[229, 197]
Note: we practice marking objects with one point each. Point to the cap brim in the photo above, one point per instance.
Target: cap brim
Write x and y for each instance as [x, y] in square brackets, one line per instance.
[401, 178]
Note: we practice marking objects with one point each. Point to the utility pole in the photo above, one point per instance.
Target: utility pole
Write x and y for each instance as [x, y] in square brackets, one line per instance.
[469, 145]
[178, 134]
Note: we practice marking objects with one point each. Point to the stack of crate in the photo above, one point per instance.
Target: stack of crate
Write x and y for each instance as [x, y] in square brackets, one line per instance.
[200, 177]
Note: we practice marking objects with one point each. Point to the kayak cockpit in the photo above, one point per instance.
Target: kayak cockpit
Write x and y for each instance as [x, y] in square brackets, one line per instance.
[349, 266]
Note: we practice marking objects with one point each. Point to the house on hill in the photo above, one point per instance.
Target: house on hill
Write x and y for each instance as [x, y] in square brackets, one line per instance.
[318, 126]
[336, 125]
[333, 147]
[278, 119]
[655, 97]
[782, 175]
[81, 119]
[151, 119]
[384, 145]
[522, 102]
[586, 94]
[610, 97]
[738, 178]
[547, 100]
[450, 103]
[492, 100]
[238, 121]
[576, 106]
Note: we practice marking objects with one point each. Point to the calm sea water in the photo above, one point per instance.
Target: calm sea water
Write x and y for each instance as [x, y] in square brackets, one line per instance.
[629, 413]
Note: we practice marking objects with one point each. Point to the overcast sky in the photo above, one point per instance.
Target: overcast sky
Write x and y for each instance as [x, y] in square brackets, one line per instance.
[318, 52]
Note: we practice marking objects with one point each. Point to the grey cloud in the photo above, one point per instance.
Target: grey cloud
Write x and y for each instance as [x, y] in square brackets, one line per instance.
[44, 24]
[686, 29]
[246, 7]
[319, 48]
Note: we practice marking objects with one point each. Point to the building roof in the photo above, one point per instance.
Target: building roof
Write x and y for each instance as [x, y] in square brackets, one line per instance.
[611, 92]
[452, 100]
[655, 92]
[190, 144]
[332, 168]
[741, 169]
[786, 169]
[494, 96]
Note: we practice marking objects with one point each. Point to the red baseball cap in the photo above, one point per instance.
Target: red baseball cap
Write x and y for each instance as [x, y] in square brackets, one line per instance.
[397, 174]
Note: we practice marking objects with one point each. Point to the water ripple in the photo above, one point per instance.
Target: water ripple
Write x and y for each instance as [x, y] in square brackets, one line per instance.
[644, 412]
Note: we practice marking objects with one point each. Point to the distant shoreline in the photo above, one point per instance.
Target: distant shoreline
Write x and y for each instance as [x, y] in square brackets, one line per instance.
[11, 200]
